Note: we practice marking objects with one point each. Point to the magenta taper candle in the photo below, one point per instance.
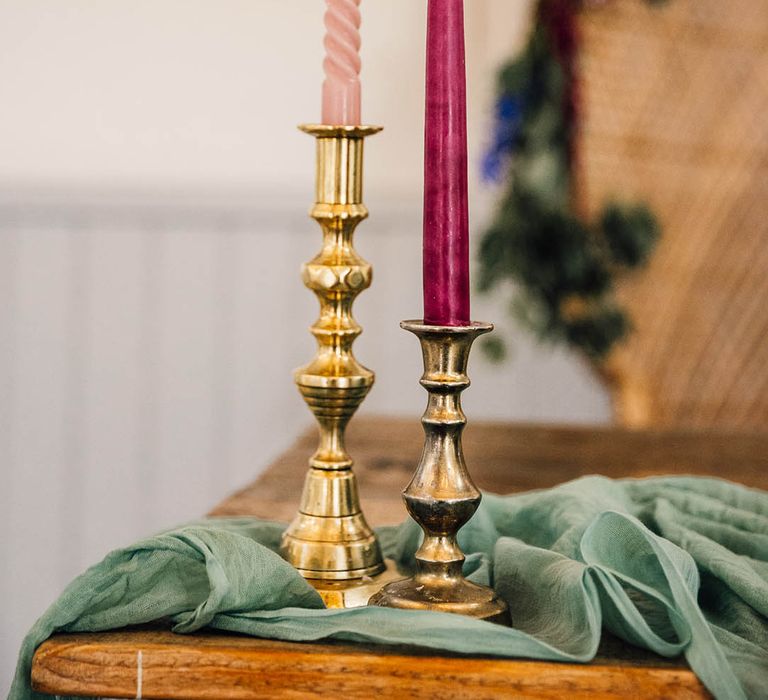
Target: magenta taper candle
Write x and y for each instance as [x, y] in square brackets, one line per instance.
[446, 211]
[341, 88]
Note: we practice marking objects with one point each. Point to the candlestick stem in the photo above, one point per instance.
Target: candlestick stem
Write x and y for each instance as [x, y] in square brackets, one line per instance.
[441, 497]
[329, 541]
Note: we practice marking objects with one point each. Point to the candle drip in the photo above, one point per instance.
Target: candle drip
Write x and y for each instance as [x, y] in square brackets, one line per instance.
[341, 89]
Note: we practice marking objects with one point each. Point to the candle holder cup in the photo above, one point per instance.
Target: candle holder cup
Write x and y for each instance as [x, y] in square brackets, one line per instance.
[441, 497]
[329, 542]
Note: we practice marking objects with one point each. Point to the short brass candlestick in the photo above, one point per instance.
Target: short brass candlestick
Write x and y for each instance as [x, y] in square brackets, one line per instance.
[329, 541]
[441, 497]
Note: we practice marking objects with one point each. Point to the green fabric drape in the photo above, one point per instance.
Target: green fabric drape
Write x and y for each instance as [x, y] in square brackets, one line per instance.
[675, 565]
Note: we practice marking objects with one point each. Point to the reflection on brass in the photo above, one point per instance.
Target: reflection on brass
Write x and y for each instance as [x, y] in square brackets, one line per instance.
[441, 497]
[329, 540]
[355, 593]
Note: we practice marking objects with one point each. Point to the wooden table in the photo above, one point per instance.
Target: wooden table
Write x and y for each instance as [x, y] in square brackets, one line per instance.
[503, 458]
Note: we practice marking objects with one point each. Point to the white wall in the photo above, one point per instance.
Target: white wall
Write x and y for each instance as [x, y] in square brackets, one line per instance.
[153, 198]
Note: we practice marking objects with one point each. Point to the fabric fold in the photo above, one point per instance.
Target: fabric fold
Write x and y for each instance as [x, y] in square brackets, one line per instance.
[674, 565]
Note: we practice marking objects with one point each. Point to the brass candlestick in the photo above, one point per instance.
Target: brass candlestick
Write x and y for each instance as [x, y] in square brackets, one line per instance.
[441, 497]
[329, 541]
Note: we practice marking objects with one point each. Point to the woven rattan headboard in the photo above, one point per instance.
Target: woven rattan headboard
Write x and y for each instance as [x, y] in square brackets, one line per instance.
[675, 113]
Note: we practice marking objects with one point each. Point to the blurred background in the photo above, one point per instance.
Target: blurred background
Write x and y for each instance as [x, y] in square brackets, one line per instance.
[153, 217]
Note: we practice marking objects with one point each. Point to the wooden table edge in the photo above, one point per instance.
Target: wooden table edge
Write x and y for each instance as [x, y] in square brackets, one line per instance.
[120, 665]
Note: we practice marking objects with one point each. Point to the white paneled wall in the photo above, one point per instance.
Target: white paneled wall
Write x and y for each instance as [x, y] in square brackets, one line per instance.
[145, 364]
[153, 193]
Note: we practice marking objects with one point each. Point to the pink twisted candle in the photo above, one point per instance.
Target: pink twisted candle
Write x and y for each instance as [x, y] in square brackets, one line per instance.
[341, 88]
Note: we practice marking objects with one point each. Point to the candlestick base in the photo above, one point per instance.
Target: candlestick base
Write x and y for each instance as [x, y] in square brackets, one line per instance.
[354, 593]
[450, 594]
[441, 497]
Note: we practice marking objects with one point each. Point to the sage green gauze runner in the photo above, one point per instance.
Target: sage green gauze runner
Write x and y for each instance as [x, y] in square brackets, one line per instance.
[676, 565]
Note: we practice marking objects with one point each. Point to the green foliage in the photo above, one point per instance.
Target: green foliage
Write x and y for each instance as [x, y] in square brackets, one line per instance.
[564, 269]
[630, 234]
[493, 348]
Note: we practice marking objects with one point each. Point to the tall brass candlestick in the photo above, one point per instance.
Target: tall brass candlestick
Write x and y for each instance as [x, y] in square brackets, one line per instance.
[329, 541]
[441, 497]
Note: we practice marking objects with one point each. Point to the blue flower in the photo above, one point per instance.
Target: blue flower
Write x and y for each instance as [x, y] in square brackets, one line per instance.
[508, 119]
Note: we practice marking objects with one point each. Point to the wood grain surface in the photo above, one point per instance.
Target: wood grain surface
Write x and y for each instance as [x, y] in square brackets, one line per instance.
[503, 458]
[215, 666]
